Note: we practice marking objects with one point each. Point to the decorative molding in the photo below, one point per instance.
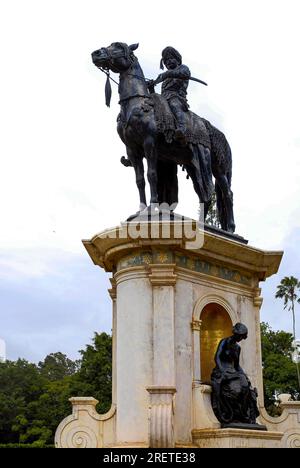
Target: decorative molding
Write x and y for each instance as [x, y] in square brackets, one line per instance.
[188, 262]
[84, 428]
[129, 274]
[162, 274]
[161, 390]
[81, 437]
[257, 299]
[161, 416]
[235, 436]
[203, 415]
[83, 401]
[291, 439]
[113, 290]
[219, 284]
[213, 298]
[205, 389]
[289, 420]
[196, 325]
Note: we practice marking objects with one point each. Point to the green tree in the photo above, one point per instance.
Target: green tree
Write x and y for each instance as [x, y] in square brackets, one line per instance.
[288, 291]
[212, 217]
[34, 399]
[31, 403]
[94, 377]
[279, 373]
[45, 413]
[56, 366]
[20, 384]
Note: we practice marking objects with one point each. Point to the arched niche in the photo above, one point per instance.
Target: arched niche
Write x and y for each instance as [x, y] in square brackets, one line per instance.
[216, 324]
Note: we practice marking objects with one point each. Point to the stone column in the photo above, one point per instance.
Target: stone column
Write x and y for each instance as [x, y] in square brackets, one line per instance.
[161, 416]
[257, 302]
[113, 295]
[161, 409]
[134, 344]
[196, 326]
[203, 415]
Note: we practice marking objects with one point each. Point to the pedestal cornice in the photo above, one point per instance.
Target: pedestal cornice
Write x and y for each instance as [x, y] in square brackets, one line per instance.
[234, 260]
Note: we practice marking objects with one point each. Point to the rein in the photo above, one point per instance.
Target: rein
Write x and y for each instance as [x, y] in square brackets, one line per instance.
[111, 57]
[108, 91]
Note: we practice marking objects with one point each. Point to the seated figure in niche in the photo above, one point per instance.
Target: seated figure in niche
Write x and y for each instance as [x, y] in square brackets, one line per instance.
[233, 398]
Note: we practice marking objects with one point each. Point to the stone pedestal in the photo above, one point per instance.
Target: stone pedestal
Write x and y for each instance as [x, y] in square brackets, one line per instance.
[236, 438]
[172, 300]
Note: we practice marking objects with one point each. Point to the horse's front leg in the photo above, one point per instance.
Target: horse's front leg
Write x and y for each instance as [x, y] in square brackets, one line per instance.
[140, 182]
[151, 156]
[136, 160]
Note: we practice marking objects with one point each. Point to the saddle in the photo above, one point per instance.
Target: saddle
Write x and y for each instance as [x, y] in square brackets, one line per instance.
[196, 130]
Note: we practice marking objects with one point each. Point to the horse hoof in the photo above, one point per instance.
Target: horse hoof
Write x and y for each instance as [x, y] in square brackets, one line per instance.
[133, 216]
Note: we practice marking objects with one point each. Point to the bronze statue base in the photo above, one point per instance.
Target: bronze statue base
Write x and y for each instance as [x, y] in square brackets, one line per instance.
[254, 427]
[229, 235]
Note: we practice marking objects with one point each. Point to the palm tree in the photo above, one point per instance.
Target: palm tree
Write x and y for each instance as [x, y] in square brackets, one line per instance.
[287, 290]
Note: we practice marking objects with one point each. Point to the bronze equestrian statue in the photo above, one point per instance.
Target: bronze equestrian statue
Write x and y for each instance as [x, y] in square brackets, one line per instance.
[160, 129]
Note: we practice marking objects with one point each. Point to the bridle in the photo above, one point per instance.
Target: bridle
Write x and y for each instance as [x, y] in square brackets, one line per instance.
[111, 56]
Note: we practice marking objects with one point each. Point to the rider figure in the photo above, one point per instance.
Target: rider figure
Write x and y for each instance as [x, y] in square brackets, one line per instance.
[175, 82]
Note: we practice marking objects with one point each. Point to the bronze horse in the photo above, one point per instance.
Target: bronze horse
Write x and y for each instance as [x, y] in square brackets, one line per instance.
[140, 132]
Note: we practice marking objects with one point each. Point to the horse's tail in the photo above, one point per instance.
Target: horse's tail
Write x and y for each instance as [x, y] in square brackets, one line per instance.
[221, 161]
[220, 149]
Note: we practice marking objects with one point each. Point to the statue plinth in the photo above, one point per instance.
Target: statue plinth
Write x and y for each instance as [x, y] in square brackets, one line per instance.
[172, 303]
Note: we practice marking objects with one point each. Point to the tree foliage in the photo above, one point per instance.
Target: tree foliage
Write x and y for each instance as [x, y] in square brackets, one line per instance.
[34, 398]
[212, 217]
[95, 375]
[56, 366]
[279, 371]
[287, 290]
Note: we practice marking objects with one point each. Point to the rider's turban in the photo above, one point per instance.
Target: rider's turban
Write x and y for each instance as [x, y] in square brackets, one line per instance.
[170, 52]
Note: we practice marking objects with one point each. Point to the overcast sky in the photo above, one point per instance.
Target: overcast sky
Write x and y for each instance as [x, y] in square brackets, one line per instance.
[61, 179]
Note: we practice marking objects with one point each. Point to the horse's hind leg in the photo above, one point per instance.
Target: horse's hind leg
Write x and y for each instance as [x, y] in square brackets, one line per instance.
[206, 208]
[151, 156]
[193, 172]
[200, 172]
[220, 206]
[227, 203]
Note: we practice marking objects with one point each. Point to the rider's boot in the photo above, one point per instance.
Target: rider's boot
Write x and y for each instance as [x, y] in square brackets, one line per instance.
[180, 132]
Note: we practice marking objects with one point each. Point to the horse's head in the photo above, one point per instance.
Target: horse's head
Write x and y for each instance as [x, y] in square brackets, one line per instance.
[118, 57]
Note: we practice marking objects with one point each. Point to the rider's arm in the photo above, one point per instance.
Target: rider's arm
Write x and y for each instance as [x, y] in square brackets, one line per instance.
[182, 72]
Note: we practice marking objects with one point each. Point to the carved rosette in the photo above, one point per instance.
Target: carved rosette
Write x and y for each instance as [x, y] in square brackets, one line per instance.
[291, 439]
[81, 437]
[161, 416]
